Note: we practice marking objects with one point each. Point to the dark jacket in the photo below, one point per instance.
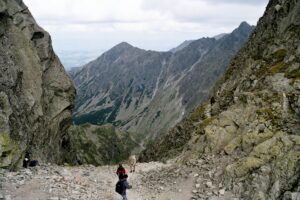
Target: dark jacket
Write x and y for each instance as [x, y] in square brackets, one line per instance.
[125, 185]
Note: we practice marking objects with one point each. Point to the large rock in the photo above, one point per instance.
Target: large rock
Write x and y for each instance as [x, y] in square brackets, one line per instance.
[36, 95]
[254, 120]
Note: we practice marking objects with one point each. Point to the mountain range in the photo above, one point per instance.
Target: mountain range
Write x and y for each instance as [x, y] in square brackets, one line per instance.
[147, 92]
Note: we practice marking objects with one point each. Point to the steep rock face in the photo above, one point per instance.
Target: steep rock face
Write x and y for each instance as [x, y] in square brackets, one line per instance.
[253, 118]
[36, 95]
[148, 92]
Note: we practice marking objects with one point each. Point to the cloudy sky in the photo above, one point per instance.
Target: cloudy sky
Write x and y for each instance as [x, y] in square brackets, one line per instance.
[97, 25]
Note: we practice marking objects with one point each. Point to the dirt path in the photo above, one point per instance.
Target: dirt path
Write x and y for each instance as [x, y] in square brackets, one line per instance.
[150, 181]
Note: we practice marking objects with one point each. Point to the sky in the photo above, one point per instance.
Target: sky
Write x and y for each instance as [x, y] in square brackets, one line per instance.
[98, 25]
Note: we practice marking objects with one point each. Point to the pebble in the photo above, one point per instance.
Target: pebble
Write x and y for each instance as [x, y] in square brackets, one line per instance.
[222, 191]
[209, 184]
[7, 197]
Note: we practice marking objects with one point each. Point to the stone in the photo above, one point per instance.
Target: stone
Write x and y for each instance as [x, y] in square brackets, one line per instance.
[7, 197]
[209, 184]
[197, 185]
[222, 192]
[261, 128]
[277, 7]
[297, 84]
[53, 198]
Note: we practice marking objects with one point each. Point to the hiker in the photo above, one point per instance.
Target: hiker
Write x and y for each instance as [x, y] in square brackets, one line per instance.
[26, 160]
[120, 171]
[122, 185]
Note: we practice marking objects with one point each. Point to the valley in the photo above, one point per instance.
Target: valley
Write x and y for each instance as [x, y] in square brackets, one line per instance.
[214, 118]
[148, 92]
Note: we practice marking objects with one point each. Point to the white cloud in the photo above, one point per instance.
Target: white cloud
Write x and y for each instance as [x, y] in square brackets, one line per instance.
[150, 24]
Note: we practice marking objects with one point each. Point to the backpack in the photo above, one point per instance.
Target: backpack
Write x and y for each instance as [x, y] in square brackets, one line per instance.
[119, 187]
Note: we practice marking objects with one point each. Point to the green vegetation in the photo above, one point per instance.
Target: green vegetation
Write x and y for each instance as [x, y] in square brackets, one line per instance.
[294, 74]
[114, 113]
[267, 113]
[244, 166]
[9, 153]
[97, 117]
[206, 122]
[278, 68]
[103, 101]
[279, 55]
[198, 113]
[98, 145]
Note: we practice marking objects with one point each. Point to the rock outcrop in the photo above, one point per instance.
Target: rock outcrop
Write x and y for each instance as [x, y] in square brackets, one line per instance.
[253, 118]
[36, 95]
[148, 92]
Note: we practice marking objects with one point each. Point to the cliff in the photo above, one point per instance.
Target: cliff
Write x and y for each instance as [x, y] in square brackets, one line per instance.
[36, 95]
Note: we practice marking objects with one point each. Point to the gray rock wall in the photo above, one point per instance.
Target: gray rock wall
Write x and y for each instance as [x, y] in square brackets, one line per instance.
[36, 95]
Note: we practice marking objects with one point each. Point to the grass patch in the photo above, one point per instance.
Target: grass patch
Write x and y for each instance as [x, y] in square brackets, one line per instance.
[268, 113]
[279, 55]
[294, 74]
[198, 113]
[278, 68]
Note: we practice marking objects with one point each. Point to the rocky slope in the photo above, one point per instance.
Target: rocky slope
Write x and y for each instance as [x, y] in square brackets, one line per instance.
[36, 95]
[148, 92]
[253, 118]
[98, 145]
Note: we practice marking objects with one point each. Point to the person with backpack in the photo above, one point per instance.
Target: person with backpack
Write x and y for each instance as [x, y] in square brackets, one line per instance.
[27, 162]
[122, 185]
[120, 171]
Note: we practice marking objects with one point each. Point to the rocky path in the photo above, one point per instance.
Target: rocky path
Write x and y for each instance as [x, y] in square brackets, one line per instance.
[150, 181]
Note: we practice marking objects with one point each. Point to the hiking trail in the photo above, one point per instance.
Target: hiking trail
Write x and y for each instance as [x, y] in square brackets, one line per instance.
[151, 180]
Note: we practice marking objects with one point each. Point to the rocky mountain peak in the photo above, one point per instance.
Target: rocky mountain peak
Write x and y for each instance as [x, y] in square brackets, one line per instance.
[123, 45]
[243, 28]
[244, 25]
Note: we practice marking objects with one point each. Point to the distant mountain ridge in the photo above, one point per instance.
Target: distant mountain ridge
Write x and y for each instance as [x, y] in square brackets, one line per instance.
[147, 91]
[181, 46]
[188, 42]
